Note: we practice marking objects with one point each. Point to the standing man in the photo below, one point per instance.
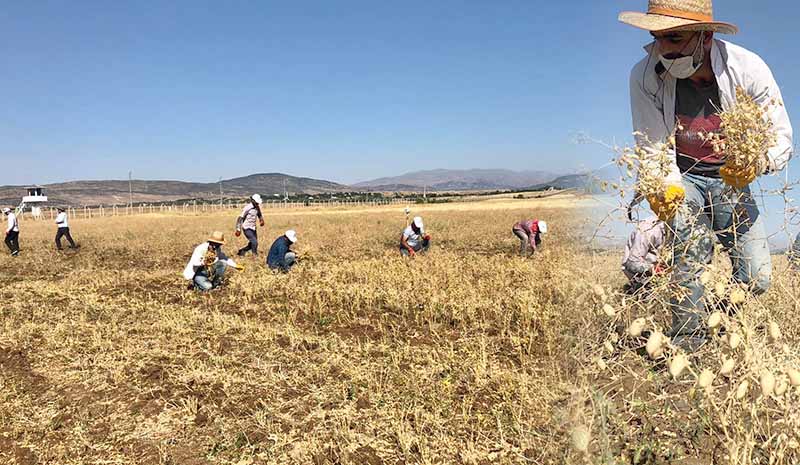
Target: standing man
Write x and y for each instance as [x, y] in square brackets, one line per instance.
[685, 77]
[63, 229]
[12, 232]
[414, 239]
[281, 257]
[247, 222]
[529, 233]
[206, 268]
[642, 260]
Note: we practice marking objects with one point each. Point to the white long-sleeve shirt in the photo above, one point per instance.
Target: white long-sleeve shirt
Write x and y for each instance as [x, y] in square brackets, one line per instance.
[653, 99]
[61, 220]
[197, 261]
[13, 224]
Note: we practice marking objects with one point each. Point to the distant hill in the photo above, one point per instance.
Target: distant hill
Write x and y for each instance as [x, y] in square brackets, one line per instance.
[79, 193]
[587, 182]
[458, 180]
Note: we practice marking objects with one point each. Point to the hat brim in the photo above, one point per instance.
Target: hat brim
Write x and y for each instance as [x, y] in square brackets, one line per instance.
[660, 23]
[215, 241]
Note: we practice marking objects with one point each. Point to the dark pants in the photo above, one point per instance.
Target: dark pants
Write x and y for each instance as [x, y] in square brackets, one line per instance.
[64, 232]
[252, 246]
[422, 246]
[12, 241]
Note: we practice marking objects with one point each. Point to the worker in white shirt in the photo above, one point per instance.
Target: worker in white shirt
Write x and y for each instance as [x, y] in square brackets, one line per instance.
[677, 92]
[246, 222]
[12, 232]
[206, 268]
[63, 230]
[414, 239]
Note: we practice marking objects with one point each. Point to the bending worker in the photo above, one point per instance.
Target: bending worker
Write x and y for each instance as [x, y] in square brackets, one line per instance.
[247, 222]
[281, 257]
[676, 90]
[206, 268]
[12, 232]
[414, 239]
[529, 233]
[641, 260]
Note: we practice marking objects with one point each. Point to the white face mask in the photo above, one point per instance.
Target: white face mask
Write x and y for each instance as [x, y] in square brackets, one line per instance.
[684, 67]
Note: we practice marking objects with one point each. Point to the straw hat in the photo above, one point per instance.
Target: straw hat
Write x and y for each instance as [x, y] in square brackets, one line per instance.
[217, 237]
[684, 15]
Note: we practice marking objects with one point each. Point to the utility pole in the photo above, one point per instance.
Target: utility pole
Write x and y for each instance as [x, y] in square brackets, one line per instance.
[130, 189]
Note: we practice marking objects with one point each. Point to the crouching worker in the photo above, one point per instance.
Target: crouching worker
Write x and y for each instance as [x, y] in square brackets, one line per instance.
[280, 256]
[206, 268]
[529, 233]
[414, 239]
[641, 259]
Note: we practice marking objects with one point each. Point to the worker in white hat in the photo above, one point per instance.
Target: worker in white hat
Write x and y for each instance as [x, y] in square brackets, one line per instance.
[280, 256]
[677, 91]
[12, 231]
[206, 269]
[251, 214]
[63, 229]
[642, 257]
[414, 239]
[529, 233]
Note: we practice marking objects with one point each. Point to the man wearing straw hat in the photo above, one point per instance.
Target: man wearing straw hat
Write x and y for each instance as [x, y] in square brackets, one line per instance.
[12, 232]
[678, 90]
[247, 222]
[206, 268]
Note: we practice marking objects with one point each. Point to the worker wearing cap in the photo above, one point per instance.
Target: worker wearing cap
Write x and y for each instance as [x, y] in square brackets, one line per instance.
[414, 239]
[529, 233]
[280, 256]
[63, 230]
[677, 90]
[206, 268]
[247, 222]
[12, 232]
[642, 260]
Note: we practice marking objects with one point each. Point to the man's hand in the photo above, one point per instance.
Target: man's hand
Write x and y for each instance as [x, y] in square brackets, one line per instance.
[411, 253]
[237, 233]
[665, 204]
[262, 223]
[741, 177]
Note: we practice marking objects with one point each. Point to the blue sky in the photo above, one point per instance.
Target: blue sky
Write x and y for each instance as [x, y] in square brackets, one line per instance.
[345, 90]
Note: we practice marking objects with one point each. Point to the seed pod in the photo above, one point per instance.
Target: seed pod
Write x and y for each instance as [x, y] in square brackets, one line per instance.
[705, 379]
[715, 320]
[719, 289]
[654, 344]
[601, 364]
[598, 290]
[727, 367]
[677, 365]
[794, 376]
[636, 327]
[609, 347]
[767, 380]
[737, 296]
[580, 438]
[741, 391]
[774, 331]
[781, 388]
[734, 340]
[705, 278]
[609, 311]
[613, 337]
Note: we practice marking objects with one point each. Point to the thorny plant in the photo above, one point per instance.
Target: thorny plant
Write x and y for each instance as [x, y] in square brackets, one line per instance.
[734, 401]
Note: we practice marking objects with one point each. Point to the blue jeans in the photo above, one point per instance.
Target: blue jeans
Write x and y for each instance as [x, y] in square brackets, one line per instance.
[252, 245]
[714, 211]
[203, 282]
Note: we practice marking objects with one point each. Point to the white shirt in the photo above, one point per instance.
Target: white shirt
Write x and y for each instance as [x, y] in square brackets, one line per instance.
[61, 220]
[249, 216]
[197, 261]
[653, 100]
[13, 225]
[411, 237]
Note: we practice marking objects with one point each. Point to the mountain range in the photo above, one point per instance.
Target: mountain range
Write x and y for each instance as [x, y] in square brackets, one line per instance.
[271, 185]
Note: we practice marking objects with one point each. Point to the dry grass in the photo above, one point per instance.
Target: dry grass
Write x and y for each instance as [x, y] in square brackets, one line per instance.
[356, 357]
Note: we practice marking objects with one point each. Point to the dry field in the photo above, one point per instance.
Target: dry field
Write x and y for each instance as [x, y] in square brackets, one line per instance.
[356, 357]
[469, 355]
